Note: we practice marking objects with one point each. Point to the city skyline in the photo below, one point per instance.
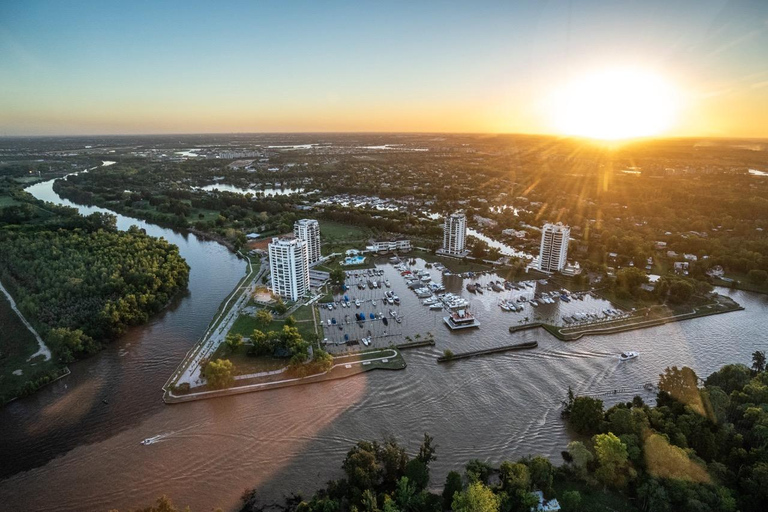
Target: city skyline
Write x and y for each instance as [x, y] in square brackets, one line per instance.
[91, 68]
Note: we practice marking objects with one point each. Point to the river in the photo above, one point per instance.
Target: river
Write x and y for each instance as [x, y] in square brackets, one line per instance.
[64, 449]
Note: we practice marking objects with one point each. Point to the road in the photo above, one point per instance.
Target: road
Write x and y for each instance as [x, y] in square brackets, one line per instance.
[43, 350]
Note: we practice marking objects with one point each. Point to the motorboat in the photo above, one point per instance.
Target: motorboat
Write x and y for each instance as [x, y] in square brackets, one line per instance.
[626, 356]
[435, 307]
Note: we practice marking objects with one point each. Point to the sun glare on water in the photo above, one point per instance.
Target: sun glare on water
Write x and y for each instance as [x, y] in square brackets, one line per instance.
[615, 104]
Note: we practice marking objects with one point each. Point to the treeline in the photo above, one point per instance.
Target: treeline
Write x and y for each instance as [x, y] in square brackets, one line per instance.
[82, 282]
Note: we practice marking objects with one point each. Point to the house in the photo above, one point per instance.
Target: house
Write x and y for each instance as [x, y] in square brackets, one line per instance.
[716, 271]
[690, 257]
[671, 254]
[544, 505]
[681, 267]
[393, 245]
[660, 245]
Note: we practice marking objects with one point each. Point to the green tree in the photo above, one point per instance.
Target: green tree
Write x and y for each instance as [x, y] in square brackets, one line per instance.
[586, 415]
[758, 361]
[70, 344]
[290, 321]
[234, 341]
[417, 473]
[427, 450]
[452, 486]
[514, 476]
[477, 498]
[612, 459]
[219, 373]
[260, 344]
[571, 501]
[337, 276]
[580, 456]
[263, 317]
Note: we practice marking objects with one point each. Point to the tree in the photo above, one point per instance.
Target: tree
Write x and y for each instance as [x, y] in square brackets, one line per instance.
[263, 317]
[234, 341]
[680, 385]
[514, 476]
[758, 361]
[361, 466]
[417, 473]
[580, 455]
[478, 471]
[261, 345]
[70, 344]
[612, 458]
[452, 486]
[571, 501]
[290, 321]
[477, 498]
[586, 415]
[280, 307]
[337, 276]
[630, 279]
[219, 373]
[427, 450]
[542, 473]
[680, 291]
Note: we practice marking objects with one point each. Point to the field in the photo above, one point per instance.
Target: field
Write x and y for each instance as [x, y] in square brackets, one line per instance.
[245, 324]
[16, 345]
[337, 237]
[7, 201]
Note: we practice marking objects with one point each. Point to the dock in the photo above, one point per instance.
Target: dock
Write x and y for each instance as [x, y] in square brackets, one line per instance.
[496, 350]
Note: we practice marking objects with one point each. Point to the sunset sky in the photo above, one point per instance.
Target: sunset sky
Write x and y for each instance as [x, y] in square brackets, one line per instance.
[73, 67]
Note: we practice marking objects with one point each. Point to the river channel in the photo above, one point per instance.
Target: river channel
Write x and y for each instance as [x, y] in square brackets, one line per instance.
[65, 449]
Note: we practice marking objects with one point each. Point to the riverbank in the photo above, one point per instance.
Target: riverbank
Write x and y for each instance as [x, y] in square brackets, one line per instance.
[639, 320]
[343, 367]
[189, 370]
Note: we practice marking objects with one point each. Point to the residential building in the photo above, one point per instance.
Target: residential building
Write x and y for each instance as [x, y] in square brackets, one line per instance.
[554, 247]
[455, 234]
[309, 231]
[394, 245]
[289, 264]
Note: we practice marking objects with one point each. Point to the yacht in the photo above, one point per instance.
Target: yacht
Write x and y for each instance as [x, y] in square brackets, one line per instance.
[435, 307]
[626, 356]
[357, 303]
[461, 319]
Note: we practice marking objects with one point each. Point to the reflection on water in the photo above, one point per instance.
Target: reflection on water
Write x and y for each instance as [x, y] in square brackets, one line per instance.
[294, 439]
[503, 248]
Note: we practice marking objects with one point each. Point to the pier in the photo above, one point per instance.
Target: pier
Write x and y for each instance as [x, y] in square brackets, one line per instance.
[496, 350]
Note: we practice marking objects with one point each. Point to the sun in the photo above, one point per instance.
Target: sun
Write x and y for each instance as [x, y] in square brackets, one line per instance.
[615, 104]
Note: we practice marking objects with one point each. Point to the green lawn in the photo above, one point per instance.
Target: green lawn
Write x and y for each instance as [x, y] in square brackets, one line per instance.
[743, 283]
[17, 344]
[7, 201]
[330, 230]
[245, 324]
[245, 364]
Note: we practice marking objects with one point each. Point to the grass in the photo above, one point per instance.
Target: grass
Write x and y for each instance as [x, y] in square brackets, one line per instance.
[743, 283]
[330, 230]
[17, 344]
[245, 364]
[245, 324]
[7, 201]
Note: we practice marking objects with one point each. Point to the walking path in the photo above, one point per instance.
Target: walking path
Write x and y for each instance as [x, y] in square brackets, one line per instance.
[217, 332]
[252, 387]
[43, 350]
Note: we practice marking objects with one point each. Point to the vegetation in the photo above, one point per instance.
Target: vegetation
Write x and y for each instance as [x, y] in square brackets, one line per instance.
[78, 280]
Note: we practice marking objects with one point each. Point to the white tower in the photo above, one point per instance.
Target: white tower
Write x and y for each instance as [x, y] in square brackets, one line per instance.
[554, 247]
[309, 231]
[455, 234]
[290, 267]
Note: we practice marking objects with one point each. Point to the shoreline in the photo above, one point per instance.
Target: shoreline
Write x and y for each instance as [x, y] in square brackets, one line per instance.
[596, 329]
[394, 362]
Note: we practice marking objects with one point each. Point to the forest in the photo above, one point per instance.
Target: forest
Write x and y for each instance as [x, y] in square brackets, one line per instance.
[79, 280]
[701, 448]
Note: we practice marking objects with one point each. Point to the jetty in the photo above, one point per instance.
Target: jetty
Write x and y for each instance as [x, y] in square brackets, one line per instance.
[495, 350]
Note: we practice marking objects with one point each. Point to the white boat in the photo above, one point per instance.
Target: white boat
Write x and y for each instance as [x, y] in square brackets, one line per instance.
[151, 440]
[357, 303]
[366, 341]
[461, 319]
[373, 302]
[435, 307]
[387, 283]
[626, 356]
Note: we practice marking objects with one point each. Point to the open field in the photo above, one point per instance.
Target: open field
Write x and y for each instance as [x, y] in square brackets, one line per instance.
[17, 344]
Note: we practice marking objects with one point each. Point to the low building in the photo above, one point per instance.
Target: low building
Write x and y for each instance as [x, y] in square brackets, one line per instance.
[716, 271]
[571, 269]
[393, 245]
[544, 505]
[660, 245]
[690, 257]
[681, 267]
